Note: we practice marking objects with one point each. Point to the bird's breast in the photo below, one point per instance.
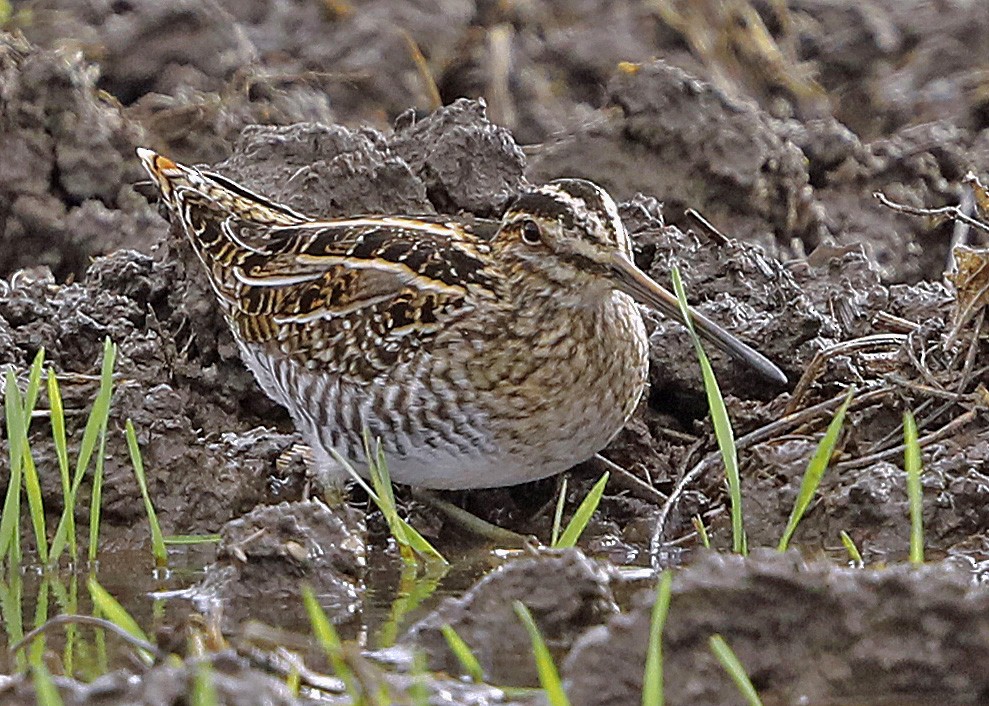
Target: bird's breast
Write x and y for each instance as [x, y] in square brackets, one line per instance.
[558, 385]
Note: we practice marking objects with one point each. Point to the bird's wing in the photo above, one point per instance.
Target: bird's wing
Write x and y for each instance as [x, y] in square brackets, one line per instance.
[355, 295]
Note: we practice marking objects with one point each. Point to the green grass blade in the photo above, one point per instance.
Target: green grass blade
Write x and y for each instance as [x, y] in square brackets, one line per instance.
[819, 463]
[383, 496]
[11, 610]
[33, 385]
[203, 686]
[549, 677]
[329, 640]
[66, 598]
[98, 414]
[62, 454]
[32, 486]
[157, 539]
[722, 423]
[35, 504]
[461, 650]
[378, 464]
[384, 493]
[414, 587]
[110, 608]
[853, 551]
[915, 491]
[652, 682]
[419, 688]
[95, 428]
[37, 649]
[735, 669]
[45, 693]
[558, 514]
[698, 523]
[14, 417]
[96, 501]
[420, 545]
[586, 509]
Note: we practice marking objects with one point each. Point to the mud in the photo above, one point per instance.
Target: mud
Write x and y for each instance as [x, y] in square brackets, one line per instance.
[806, 633]
[776, 126]
[566, 593]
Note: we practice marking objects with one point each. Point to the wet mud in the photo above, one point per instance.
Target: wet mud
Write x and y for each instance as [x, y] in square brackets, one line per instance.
[747, 155]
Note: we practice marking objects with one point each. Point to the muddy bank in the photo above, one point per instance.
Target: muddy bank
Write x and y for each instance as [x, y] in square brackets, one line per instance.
[806, 633]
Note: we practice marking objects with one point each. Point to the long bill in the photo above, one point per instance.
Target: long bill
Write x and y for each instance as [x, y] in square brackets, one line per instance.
[637, 284]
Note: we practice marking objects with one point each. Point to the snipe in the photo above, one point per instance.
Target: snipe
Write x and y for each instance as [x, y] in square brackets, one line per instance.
[478, 363]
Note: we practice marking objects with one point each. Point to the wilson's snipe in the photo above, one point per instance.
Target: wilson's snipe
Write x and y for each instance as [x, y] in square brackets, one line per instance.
[477, 362]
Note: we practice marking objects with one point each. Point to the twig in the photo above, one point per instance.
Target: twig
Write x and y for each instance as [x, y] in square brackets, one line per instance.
[422, 67]
[944, 431]
[88, 620]
[629, 481]
[952, 212]
[707, 226]
[817, 362]
[751, 439]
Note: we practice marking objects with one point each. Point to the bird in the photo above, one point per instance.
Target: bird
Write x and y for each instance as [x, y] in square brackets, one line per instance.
[477, 362]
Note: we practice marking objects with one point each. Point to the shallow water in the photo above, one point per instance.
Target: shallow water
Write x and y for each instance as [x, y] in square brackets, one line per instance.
[393, 598]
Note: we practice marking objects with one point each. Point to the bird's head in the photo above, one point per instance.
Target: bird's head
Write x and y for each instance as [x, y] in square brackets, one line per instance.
[566, 239]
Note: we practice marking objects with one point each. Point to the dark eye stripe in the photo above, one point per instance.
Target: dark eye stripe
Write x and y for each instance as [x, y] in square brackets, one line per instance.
[584, 263]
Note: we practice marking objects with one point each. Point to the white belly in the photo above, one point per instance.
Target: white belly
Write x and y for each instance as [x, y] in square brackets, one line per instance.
[474, 424]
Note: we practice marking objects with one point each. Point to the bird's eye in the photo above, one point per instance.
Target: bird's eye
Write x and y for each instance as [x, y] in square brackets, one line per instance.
[531, 233]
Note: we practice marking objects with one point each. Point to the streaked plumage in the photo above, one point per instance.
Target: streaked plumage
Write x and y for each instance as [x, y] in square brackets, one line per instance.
[477, 362]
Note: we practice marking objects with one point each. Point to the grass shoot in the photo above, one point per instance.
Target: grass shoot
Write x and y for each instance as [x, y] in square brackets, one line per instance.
[734, 668]
[112, 610]
[561, 501]
[854, 555]
[465, 656]
[652, 682]
[95, 430]
[17, 414]
[157, 539]
[578, 523]
[382, 494]
[108, 607]
[915, 491]
[45, 692]
[701, 530]
[818, 464]
[329, 641]
[549, 677]
[203, 691]
[722, 424]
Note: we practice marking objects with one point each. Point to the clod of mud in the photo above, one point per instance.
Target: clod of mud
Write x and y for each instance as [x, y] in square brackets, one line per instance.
[786, 185]
[565, 592]
[266, 555]
[145, 45]
[466, 162]
[239, 682]
[689, 145]
[877, 60]
[196, 127]
[363, 56]
[806, 633]
[68, 166]
[325, 171]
